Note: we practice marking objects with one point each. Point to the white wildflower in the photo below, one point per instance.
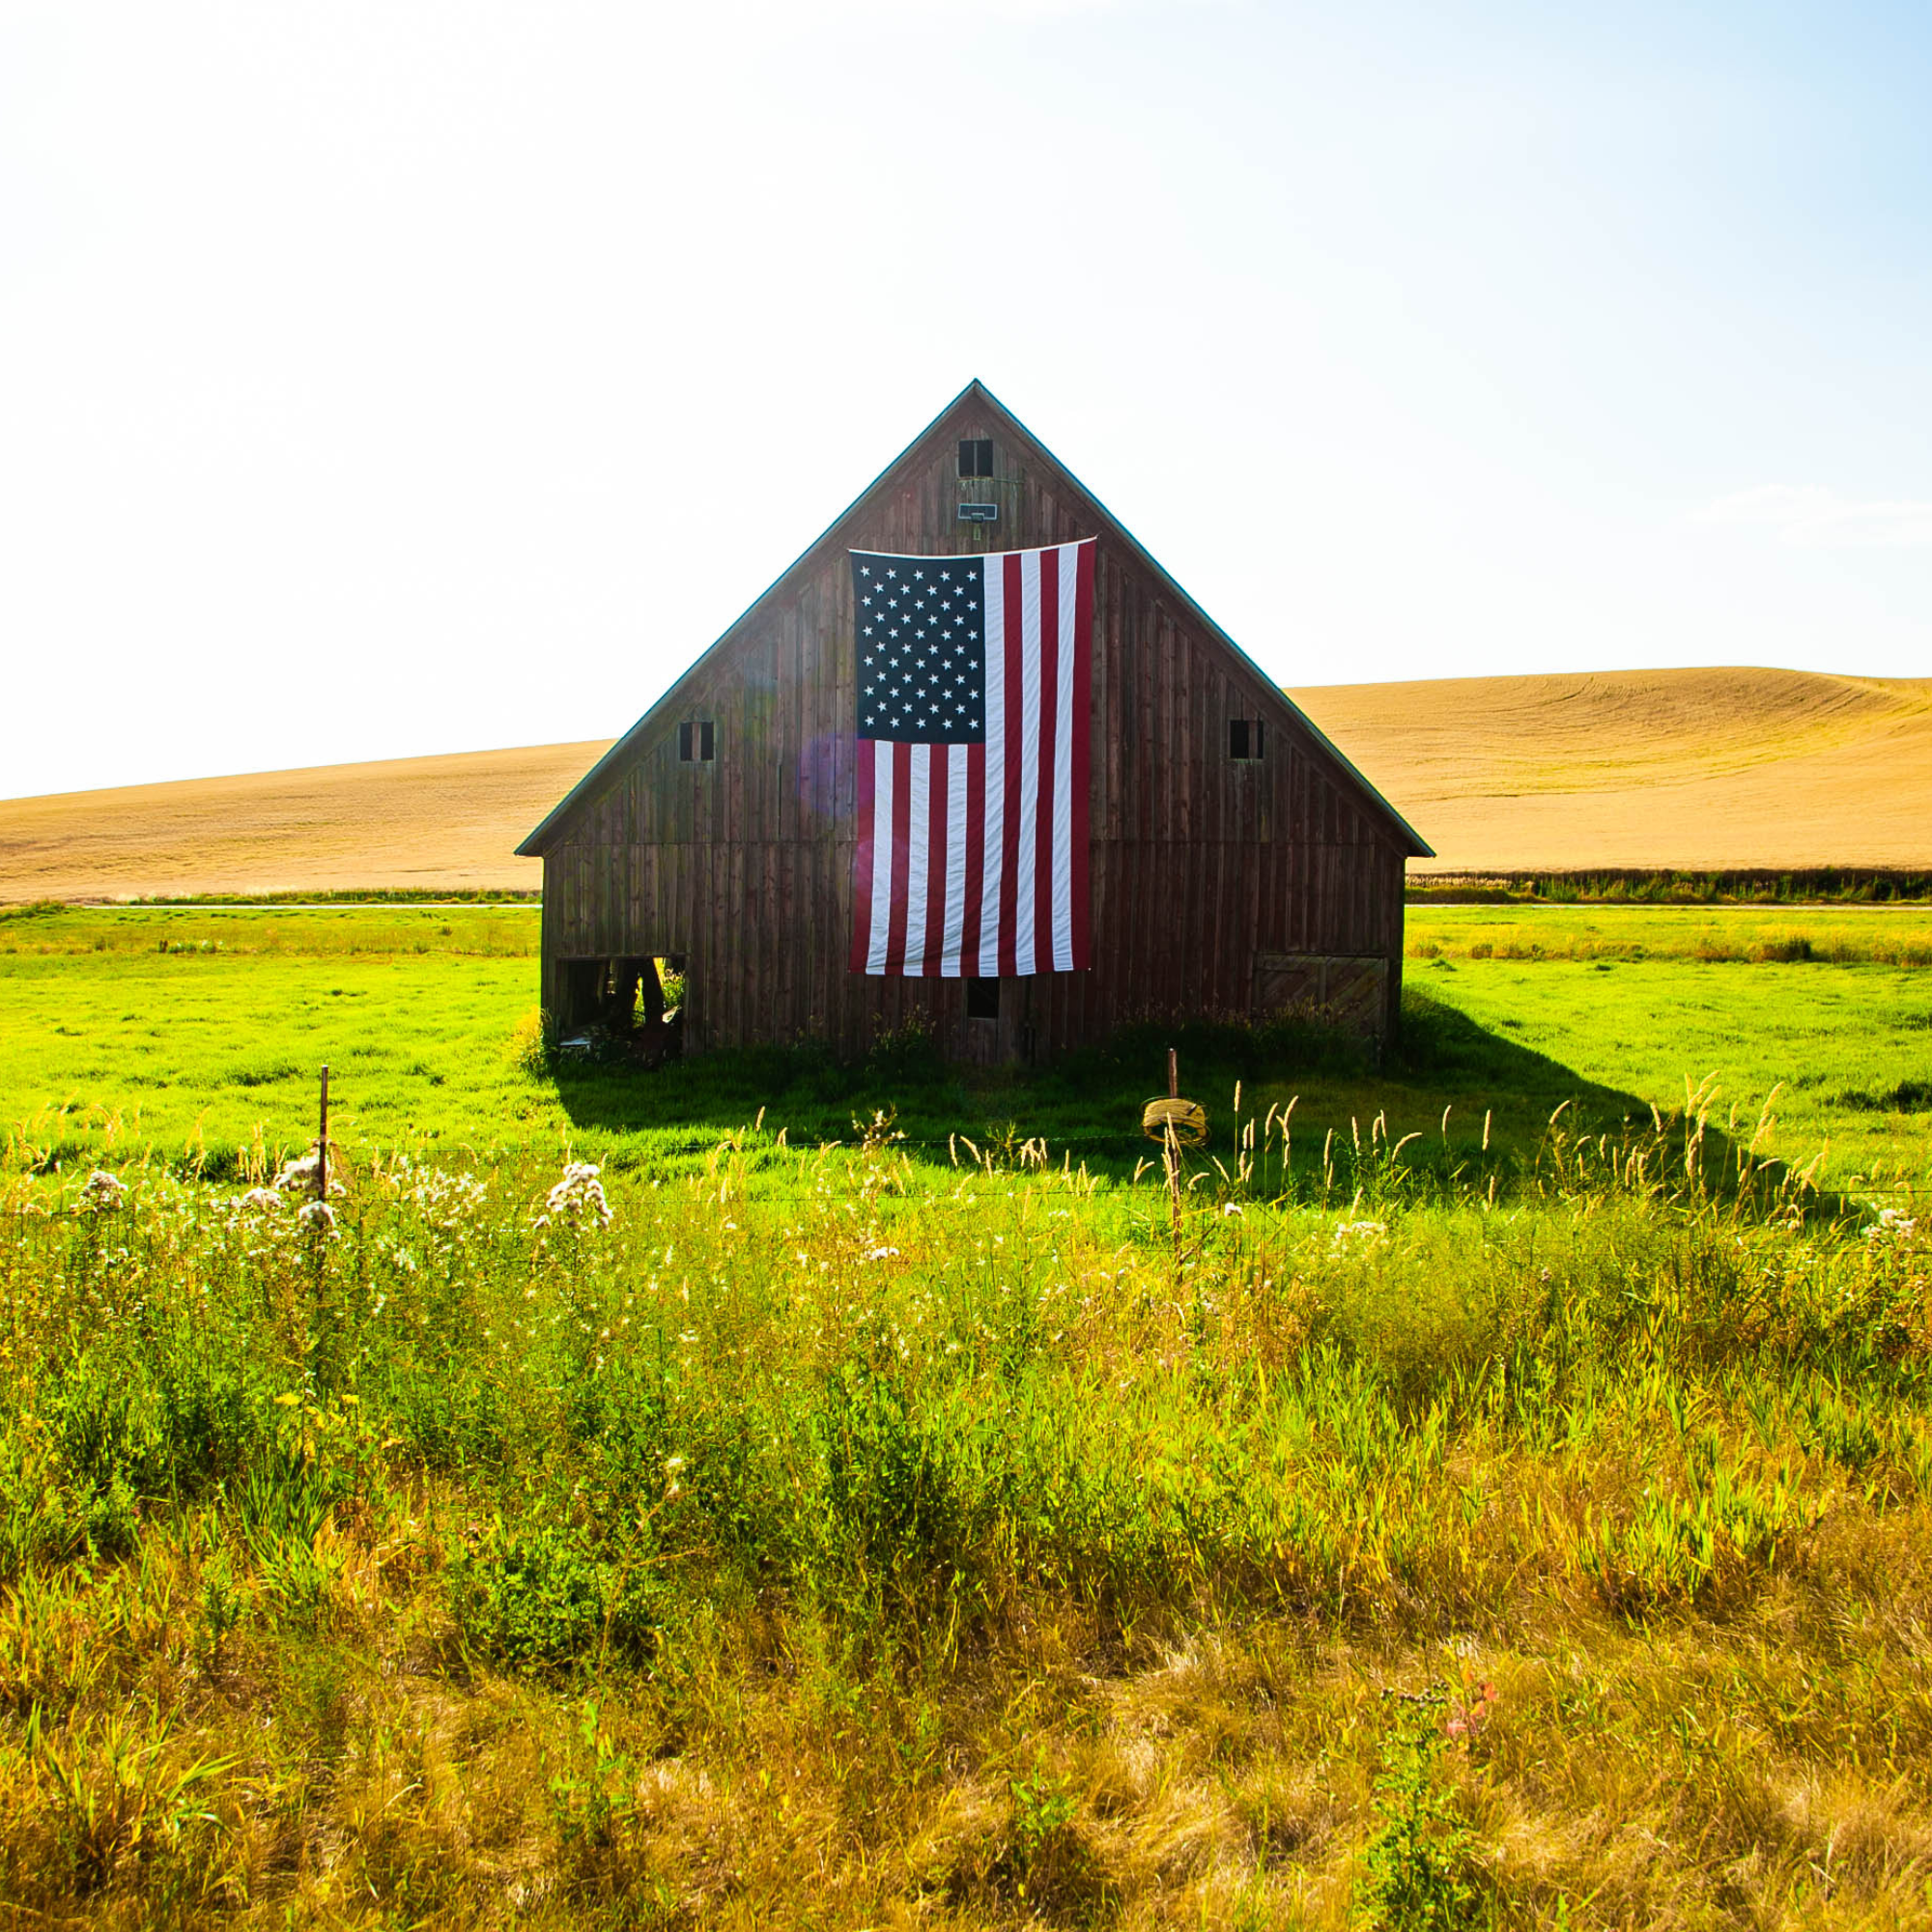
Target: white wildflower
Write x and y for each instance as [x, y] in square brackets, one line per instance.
[444, 1200]
[578, 1197]
[103, 1190]
[299, 1176]
[1361, 1234]
[318, 1217]
[260, 1200]
[1892, 1225]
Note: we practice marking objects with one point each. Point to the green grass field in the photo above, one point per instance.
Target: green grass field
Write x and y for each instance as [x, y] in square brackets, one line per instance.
[1884, 935]
[1513, 1528]
[202, 1030]
[1831, 1008]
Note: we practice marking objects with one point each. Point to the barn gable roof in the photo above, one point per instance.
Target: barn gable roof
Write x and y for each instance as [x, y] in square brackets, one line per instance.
[977, 395]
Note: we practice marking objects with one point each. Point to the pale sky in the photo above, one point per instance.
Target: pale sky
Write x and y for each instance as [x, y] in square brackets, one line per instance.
[383, 379]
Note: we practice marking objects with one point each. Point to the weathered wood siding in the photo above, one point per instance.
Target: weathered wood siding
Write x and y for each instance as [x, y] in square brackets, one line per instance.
[1200, 862]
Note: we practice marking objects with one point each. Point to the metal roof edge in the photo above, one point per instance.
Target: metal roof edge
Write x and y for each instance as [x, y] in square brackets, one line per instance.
[532, 846]
[1423, 850]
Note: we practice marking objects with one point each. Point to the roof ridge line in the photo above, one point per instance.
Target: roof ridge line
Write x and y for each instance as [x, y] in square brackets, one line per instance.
[531, 847]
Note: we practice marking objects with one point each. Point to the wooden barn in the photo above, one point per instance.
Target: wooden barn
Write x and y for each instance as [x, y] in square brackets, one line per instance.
[1235, 863]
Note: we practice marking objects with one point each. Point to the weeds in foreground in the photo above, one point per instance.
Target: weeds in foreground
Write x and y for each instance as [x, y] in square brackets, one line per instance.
[827, 1533]
[1417, 1864]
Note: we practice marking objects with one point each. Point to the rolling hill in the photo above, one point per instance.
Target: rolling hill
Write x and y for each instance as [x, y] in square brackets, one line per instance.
[1688, 768]
[1695, 768]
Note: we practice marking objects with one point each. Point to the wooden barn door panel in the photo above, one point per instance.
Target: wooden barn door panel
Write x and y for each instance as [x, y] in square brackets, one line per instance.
[1335, 989]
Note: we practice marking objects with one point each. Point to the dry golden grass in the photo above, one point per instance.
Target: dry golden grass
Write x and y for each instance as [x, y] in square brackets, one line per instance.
[1693, 768]
[441, 822]
[1566, 1563]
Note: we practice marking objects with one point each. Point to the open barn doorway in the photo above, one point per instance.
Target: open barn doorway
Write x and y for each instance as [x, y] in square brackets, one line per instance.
[630, 1009]
[997, 1027]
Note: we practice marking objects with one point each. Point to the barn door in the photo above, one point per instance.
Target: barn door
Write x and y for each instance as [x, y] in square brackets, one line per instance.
[1344, 990]
[996, 1028]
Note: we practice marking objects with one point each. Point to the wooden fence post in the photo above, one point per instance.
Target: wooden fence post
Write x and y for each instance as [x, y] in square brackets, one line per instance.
[1171, 1149]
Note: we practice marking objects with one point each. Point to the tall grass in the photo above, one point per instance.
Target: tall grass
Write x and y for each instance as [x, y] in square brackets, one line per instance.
[1639, 884]
[1871, 946]
[489, 925]
[829, 1534]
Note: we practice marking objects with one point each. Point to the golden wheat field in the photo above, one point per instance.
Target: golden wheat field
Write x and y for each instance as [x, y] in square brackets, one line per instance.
[1687, 768]
[445, 822]
[1693, 768]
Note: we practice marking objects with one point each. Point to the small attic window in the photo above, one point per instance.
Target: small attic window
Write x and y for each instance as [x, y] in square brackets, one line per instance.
[694, 742]
[1244, 738]
[976, 456]
[983, 998]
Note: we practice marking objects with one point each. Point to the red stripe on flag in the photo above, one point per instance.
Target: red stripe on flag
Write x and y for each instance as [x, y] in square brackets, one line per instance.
[975, 859]
[895, 917]
[1014, 600]
[861, 861]
[940, 771]
[1083, 697]
[1049, 762]
[1083, 746]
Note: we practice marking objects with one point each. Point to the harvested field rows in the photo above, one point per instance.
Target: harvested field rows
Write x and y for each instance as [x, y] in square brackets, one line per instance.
[1704, 768]
[1670, 768]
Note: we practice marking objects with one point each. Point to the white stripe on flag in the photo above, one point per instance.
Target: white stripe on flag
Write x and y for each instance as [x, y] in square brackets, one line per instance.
[950, 963]
[884, 858]
[993, 600]
[1067, 559]
[919, 834]
[1025, 898]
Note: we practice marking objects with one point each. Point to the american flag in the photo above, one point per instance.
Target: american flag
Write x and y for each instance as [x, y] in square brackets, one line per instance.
[974, 680]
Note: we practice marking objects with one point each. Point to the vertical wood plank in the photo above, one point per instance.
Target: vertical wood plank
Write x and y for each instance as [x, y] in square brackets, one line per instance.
[1196, 861]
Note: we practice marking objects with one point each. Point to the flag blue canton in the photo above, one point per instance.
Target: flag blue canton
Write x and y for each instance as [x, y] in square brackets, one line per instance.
[921, 635]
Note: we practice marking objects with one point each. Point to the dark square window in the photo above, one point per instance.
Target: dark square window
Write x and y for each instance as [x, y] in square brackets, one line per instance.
[1244, 737]
[976, 456]
[983, 998]
[695, 744]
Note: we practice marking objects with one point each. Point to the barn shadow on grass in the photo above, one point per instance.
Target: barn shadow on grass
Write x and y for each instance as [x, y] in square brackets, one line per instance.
[1455, 1084]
